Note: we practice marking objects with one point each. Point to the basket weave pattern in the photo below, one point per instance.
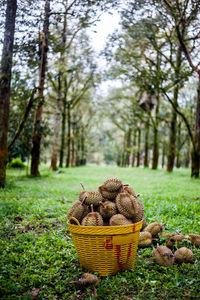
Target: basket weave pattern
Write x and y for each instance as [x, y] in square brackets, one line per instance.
[106, 249]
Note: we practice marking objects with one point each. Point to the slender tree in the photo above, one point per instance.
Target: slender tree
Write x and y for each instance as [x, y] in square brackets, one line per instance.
[5, 81]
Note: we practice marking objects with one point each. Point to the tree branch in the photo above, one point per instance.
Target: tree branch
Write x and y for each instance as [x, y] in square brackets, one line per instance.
[26, 114]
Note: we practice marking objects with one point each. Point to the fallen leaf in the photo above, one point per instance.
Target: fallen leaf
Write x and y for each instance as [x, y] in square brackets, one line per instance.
[35, 292]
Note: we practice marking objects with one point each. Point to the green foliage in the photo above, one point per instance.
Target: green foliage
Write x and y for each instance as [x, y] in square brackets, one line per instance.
[16, 163]
[37, 256]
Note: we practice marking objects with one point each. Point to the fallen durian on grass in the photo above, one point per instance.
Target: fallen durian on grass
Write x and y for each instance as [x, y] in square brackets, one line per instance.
[183, 255]
[118, 220]
[195, 239]
[175, 240]
[145, 239]
[154, 228]
[92, 219]
[163, 256]
[87, 279]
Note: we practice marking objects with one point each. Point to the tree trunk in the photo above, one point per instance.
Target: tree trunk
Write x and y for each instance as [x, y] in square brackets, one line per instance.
[187, 158]
[172, 137]
[128, 145]
[133, 152]
[62, 146]
[178, 163]
[155, 149]
[146, 146]
[139, 147]
[68, 135]
[83, 157]
[196, 152]
[163, 154]
[54, 154]
[37, 128]
[5, 80]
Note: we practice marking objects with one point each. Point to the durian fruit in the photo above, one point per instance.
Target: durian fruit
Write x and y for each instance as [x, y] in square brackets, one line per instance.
[144, 224]
[145, 239]
[129, 189]
[175, 239]
[163, 256]
[118, 220]
[92, 219]
[183, 255]
[82, 194]
[140, 214]
[195, 239]
[107, 194]
[112, 184]
[78, 210]
[127, 204]
[167, 235]
[91, 197]
[86, 280]
[154, 228]
[107, 209]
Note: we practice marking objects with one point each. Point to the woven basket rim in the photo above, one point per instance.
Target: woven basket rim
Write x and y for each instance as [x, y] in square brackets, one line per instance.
[104, 230]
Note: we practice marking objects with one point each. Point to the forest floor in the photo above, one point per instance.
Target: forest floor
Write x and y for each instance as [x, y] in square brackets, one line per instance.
[37, 256]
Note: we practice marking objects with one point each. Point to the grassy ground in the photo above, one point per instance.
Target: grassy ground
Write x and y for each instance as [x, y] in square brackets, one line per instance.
[37, 257]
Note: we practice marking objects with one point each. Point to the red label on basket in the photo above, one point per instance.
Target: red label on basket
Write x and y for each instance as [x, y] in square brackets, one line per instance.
[133, 227]
[108, 244]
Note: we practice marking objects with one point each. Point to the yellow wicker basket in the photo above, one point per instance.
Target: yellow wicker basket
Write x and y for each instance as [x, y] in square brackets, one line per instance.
[105, 249]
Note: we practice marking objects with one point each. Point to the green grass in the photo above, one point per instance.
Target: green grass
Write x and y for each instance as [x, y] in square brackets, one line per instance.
[36, 250]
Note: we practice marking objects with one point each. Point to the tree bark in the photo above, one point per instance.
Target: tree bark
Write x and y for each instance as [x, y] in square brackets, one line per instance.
[146, 146]
[54, 154]
[155, 149]
[187, 158]
[139, 147]
[172, 137]
[178, 163]
[5, 81]
[163, 154]
[37, 128]
[68, 135]
[133, 152]
[128, 145]
[62, 146]
[196, 151]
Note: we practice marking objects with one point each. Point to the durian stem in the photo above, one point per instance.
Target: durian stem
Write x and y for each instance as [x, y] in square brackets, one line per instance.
[84, 200]
[92, 209]
[82, 186]
[163, 224]
[137, 195]
[73, 281]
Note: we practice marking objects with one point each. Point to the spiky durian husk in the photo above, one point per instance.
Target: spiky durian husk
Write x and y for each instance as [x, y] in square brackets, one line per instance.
[154, 228]
[92, 219]
[112, 184]
[93, 197]
[163, 256]
[118, 220]
[175, 239]
[127, 205]
[106, 194]
[129, 190]
[140, 214]
[82, 195]
[78, 211]
[195, 239]
[107, 209]
[183, 255]
[145, 239]
[144, 224]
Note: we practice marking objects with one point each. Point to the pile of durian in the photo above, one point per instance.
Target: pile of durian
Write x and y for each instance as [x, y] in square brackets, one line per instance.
[113, 204]
[174, 242]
